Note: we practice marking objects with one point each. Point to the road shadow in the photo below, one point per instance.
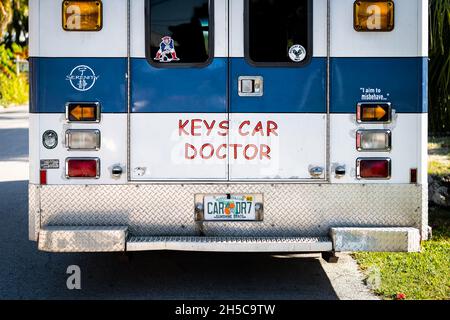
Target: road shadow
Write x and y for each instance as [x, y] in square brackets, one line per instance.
[26, 273]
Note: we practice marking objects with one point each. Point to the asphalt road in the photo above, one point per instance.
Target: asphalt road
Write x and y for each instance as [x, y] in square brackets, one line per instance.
[26, 273]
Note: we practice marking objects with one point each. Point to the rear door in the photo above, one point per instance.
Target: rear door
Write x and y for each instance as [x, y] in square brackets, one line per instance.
[228, 90]
[179, 79]
[278, 89]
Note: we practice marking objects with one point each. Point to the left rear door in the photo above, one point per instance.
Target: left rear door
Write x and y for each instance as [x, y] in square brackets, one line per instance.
[179, 76]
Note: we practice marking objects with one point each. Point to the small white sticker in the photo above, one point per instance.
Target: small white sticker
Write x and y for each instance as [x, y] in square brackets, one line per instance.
[49, 164]
[297, 53]
[82, 78]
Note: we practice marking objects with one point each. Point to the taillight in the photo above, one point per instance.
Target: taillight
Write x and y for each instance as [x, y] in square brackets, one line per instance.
[373, 168]
[83, 168]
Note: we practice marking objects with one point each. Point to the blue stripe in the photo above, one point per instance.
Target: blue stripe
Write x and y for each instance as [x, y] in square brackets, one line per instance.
[286, 90]
[170, 90]
[402, 81]
[50, 89]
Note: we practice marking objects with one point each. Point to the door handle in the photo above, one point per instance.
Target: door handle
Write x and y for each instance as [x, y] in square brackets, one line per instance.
[251, 86]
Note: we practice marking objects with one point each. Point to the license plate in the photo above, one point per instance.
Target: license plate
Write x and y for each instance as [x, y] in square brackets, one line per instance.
[229, 208]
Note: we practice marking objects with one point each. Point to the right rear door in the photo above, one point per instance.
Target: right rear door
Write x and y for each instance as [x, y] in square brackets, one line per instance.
[277, 90]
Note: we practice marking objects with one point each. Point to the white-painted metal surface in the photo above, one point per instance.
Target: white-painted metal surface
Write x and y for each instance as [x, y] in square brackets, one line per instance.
[160, 148]
[35, 144]
[280, 151]
[345, 41]
[113, 151]
[407, 152]
[53, 41]
[409, 24]
[296, 146]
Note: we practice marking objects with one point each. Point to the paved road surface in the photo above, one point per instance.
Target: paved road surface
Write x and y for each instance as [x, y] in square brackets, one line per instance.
[26, 273]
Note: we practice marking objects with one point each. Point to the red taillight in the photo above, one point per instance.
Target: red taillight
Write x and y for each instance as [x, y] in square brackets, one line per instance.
[374, 168]
[43, 177]
[83, 168]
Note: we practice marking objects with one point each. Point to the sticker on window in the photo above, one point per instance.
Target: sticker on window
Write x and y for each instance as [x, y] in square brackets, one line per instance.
[297, 53]
[166, 52]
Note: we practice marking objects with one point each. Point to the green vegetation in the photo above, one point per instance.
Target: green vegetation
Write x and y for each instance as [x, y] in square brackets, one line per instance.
[424, 275]
[13, 87]
[439, 149]
[439, 66]
[13, 38]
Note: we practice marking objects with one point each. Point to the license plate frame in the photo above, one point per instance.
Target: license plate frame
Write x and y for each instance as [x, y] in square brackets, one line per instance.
[229, 207]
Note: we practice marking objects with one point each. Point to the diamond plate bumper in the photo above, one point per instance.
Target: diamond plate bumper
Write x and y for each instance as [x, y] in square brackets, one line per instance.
[290, 210]
[376, 239]
[82, 239]
[104, 239]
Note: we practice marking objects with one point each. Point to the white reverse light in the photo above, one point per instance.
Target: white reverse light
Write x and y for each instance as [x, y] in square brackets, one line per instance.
[373, 140]
[83, 139]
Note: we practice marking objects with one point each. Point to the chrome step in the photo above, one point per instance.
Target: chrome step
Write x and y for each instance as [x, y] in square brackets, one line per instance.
[230, 244]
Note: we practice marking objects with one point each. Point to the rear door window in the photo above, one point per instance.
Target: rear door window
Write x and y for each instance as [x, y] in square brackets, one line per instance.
[179, 32]
[279, 32]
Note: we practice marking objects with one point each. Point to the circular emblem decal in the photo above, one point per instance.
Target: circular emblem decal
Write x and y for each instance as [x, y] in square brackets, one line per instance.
[82, 78]
[297, 53]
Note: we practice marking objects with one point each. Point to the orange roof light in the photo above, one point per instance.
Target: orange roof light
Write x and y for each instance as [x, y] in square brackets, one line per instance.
[373, 16]
[82, 15]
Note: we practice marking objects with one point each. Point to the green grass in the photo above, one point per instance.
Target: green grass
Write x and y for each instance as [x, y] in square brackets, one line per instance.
[424, 275]
[439, 150]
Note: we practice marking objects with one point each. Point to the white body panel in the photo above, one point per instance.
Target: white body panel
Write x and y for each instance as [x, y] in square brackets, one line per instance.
[406, 154]
[298, 145]
[346, 42]
[53, 41]
[35, 143]
[409, 130]
[113, 149]
[159, 149]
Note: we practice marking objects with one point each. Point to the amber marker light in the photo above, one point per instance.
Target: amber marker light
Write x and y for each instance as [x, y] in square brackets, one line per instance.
[373, 16]
[83, 112]
[82, 15]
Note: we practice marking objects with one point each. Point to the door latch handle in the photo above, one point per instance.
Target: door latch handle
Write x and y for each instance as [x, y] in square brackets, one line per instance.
[251, 86]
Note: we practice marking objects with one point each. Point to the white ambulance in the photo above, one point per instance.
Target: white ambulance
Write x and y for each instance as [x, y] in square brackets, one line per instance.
[228, 125]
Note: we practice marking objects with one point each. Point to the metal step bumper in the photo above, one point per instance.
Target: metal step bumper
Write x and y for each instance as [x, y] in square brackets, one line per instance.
[117, 239]
[230, 244]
